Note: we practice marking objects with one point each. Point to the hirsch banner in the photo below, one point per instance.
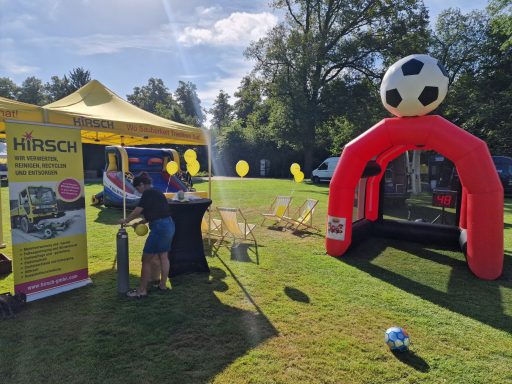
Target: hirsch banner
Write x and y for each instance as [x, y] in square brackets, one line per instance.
[47, 202]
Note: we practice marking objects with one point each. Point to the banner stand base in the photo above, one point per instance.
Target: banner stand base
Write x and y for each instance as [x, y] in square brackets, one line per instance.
[60, 289]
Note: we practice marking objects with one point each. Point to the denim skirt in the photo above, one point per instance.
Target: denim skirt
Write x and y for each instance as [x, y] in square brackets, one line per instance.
[160, 236]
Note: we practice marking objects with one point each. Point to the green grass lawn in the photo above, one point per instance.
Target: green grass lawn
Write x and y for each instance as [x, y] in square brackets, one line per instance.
[299, 316]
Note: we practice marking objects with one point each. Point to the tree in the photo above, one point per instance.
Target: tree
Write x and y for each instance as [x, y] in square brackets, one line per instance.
[57, 88]
[78, 77]
[32, 91]
[324, 40]
[248, 98]
[153, 97]
[479, 101]
[229, 145]
[222, 111]
[349, 106]
[186, 96]
[501, 13]
[458, 41]
[8, 88]
[156, 98]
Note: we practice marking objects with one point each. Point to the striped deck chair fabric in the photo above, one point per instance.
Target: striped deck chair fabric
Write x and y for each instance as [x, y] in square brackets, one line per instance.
[214, 228]
[235, 225]
[304, 216]
[280, 207]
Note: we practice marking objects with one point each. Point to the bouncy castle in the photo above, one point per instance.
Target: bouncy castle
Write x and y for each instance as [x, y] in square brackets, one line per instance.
[153, 161]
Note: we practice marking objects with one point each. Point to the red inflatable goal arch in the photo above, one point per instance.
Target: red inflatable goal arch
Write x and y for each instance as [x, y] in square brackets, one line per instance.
[481, 212]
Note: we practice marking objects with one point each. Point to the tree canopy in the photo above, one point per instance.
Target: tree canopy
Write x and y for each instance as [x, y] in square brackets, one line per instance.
[315, 82]
[322, 41]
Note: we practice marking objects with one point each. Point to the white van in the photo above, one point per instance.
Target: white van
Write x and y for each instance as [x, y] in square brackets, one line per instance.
[325, 170]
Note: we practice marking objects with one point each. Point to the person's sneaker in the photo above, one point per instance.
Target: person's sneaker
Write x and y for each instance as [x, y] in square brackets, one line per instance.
[135, 294]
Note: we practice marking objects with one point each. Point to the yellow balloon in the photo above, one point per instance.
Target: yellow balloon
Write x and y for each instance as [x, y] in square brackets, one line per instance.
[193, 167]
[299, 176]
[190, 155]
[294, 168]
[171, 167]
[141, 229]
[242, 168]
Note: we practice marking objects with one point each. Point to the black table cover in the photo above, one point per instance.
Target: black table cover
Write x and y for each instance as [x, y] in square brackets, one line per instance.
[187, 252]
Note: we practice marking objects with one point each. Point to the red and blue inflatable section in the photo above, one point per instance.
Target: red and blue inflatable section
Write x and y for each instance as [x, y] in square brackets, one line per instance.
[152, 161]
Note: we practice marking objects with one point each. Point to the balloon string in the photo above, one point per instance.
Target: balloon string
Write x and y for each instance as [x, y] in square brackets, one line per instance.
[241, 187]
[168, 182]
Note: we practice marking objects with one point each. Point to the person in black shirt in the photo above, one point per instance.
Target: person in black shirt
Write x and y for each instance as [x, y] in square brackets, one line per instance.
[155, 209]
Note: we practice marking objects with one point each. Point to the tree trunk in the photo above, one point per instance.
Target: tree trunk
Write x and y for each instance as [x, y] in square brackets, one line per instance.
[416, 173]
[309, 134]
[308, 161]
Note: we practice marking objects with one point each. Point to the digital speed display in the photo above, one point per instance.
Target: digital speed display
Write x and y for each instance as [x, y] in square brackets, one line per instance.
[445, 199]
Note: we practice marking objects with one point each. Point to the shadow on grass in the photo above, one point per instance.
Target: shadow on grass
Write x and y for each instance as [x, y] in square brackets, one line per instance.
[239, 251]
[106, 215]
[412, 360]
[302, 233]
[186, 335]
[276, 228]
[296, 295]
[466, 294]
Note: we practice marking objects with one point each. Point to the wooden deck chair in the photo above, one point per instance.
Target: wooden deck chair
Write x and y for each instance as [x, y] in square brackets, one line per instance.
[304, 217]
[280, 207]
[214, 228]
[238, 230]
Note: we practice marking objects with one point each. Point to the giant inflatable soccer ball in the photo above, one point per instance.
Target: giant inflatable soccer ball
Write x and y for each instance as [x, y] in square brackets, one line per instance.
[414, 86]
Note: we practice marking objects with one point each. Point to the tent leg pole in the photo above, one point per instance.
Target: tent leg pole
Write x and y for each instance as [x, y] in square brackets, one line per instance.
[209, 166]
[2, 244]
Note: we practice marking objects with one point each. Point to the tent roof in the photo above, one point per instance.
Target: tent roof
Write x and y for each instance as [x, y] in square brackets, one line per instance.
[8, 103]
[16, 110]
[105, 118]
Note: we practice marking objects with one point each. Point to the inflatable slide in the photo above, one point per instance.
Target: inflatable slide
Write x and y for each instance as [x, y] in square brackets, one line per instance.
[153, 161]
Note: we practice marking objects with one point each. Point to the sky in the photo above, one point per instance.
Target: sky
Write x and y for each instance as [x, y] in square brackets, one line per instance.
[123, 43]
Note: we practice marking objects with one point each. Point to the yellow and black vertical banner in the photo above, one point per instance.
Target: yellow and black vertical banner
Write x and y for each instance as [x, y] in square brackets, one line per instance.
[47, 203]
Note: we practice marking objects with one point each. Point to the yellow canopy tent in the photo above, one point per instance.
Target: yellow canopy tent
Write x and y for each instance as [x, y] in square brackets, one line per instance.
[16, 110]
[105, 118]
